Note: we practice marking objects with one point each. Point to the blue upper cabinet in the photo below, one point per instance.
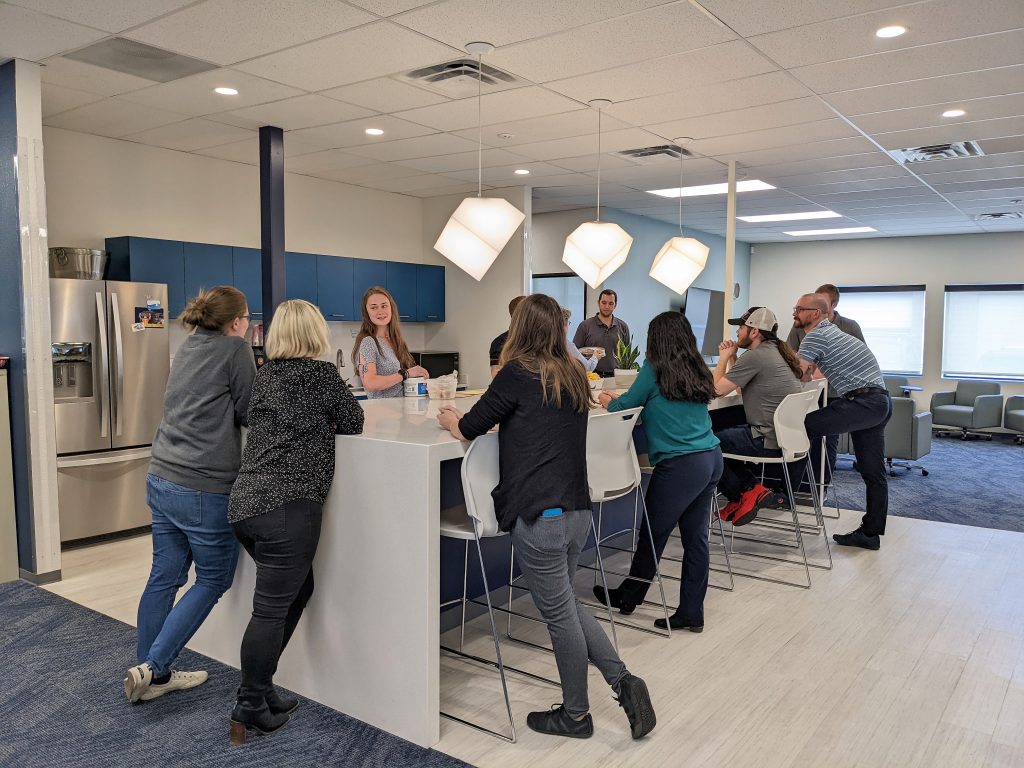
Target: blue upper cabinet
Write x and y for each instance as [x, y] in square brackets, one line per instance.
[300, 276]
[206, 266]
[401, 284]
[429, 293]
[247, 267]
[146, 260]
[334, 277]
[366, 273]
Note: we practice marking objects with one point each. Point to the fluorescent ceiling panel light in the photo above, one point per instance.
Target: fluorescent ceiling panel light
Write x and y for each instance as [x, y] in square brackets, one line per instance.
[753, 185]
[894, 31]
[840, 231]
[791, 216]
[954, 113]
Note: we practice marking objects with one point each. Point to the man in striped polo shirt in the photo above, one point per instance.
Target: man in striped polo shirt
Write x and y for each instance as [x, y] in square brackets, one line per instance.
[862, 408]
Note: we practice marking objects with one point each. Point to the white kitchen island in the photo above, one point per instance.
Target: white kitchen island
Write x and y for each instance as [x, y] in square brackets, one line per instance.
[368, 642]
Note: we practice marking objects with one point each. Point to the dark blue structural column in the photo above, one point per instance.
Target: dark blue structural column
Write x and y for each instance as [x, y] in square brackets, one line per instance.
[272, 219]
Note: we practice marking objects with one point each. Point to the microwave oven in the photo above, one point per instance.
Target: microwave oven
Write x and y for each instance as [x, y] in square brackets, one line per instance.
[437, 363]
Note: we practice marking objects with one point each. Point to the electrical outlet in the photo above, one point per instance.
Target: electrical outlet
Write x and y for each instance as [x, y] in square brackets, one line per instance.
[354, 332]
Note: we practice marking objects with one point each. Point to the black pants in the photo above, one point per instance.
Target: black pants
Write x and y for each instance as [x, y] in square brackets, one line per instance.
[737, 477]
[864, 416]
[679, 494]
[282, 543]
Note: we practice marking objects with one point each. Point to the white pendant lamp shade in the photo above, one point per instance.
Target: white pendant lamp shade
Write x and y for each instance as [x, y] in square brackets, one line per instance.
[595, 249]
[476, 233]
[679, 262]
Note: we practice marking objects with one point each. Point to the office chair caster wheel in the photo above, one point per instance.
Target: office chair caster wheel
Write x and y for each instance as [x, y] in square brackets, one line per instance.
[989, 438]
[924, 473]
[892, 473]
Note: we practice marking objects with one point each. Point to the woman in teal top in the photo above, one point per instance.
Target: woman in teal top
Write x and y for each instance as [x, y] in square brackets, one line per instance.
[674, 388]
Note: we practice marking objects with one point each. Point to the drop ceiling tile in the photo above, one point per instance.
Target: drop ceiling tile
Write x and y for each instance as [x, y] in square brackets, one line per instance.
[34, 36]
[853, 36]
[414, 148]
[948, 58]
[500, 107]
[353, 132]
[443, 191]
[960, 165]
[718, 63]
[1010, 184]
[586, 163]
[57, 99]
[113, 117]
[770, 15]
[1003, 145]
[385, 94]
[645, 35]
[499, 22]
[778, 156]
[317, 163]
[389, 7]
[377, 49]
[190, 135]
[411, 184]
[972, 131]
[824, 165]
[890, 171]
[195, 96]
[911, 194]
[371, 172]
[504, 174]
[463, 161]
[297, 112]
[68, 73]
[228, 31]
[547, 128]
[662, 176]
[922, 117]
[612, 141]
[811, 190]
[109, 15]
[786, 113]
[248, 150]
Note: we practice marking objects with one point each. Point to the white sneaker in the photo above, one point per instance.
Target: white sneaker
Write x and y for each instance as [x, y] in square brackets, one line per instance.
[137, 681]
[180, 681]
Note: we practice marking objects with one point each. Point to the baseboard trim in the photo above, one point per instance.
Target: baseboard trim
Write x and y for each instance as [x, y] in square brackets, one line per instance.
[39, 579]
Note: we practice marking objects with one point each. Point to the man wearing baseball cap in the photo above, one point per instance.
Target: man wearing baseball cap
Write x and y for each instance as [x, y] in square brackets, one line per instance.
[768, 371]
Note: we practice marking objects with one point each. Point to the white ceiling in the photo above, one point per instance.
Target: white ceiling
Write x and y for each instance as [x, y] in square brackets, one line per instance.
[800, 92]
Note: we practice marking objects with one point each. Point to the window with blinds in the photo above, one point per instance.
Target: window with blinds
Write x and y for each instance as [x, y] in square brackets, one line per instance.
[982, 332]
[892, 319]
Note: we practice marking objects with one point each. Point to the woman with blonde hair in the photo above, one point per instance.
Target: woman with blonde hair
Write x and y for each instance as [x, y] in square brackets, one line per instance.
[195, 458]
[380, 354]
[298, 405]
[540, 398]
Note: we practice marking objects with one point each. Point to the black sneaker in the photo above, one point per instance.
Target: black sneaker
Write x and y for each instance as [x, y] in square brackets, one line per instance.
[557, 722]
[634, 698]
[678, 622]
[857, 538]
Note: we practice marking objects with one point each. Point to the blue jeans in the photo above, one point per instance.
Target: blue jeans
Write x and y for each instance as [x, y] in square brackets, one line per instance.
[187, 525]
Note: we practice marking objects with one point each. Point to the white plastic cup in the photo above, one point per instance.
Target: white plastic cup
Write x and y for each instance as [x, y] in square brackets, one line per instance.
[415, 386]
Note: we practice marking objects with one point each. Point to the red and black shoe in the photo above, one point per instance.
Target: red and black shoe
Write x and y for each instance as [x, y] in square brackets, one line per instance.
[728, 510]
[750, 503]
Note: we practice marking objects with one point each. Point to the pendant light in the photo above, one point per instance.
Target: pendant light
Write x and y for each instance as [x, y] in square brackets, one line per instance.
[682, 258]
[597, 248]
[481, 226]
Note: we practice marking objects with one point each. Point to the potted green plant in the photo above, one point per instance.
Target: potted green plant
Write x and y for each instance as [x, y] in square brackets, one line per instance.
[626, 356]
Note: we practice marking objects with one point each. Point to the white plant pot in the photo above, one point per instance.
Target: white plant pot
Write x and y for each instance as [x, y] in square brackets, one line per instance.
[624, 377]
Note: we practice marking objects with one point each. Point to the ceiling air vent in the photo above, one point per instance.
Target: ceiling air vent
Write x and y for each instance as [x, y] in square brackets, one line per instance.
[661, 153]
[141, 60]
[1001, 216]
[458, 79]
[936, 152]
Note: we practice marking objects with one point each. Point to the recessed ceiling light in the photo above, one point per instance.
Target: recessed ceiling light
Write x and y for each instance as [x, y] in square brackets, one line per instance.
[225, 91]
[894, 31]
[954, 113]
[791, 216]
[374, 132]
[753, 185]
[842, 231]
[521, 172]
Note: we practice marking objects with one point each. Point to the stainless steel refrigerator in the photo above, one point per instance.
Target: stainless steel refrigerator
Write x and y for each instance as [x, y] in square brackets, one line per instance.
[111, 358]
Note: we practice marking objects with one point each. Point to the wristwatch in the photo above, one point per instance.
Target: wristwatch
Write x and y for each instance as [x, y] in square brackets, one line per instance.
[404, 372]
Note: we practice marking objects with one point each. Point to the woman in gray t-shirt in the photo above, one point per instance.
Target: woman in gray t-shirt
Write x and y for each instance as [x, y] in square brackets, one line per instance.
[380, 354]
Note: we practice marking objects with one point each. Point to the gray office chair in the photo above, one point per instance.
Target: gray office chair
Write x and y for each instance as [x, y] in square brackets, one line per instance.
[973, 406]
[1013, 416]
[908, 435]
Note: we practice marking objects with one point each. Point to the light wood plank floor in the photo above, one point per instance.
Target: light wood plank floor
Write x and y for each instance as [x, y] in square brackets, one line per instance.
[911, 657]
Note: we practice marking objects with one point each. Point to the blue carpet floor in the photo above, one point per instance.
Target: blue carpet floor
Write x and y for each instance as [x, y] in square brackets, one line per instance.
[974, 482]
[62, 704]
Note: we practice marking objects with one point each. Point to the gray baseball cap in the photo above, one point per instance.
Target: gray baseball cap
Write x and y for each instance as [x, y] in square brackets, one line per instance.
[761, 318]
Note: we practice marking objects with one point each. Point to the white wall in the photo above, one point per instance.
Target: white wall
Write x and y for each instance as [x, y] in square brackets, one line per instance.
[781, 272]
[641, 297]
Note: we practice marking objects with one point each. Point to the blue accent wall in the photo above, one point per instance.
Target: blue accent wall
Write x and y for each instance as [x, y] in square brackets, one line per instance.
[11, 321]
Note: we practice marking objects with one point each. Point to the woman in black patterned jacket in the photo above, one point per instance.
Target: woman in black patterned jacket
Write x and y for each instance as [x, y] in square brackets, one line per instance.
[298, 405]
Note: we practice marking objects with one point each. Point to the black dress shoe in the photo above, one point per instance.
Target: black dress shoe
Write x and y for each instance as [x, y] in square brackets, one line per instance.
[252, 713]
[281, 705]
[858, 538]
[678, 622]
[634, 698]
[614, 600]
[557, 722]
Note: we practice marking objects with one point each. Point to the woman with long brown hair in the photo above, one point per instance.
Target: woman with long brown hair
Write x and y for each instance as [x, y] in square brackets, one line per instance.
[541, 399]
[380, 353]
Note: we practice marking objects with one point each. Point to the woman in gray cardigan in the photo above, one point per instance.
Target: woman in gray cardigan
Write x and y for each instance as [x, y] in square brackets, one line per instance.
[196, 455]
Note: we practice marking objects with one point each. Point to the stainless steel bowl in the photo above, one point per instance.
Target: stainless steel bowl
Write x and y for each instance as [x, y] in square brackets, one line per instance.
[79, 263]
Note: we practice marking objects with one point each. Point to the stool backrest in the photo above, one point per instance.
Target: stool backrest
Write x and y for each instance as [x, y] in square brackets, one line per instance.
[612, 467]
[789, 423]
[480, 475]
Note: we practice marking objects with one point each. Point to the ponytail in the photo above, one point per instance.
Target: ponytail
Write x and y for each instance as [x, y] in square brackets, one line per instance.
[785, 350]
[214, 309]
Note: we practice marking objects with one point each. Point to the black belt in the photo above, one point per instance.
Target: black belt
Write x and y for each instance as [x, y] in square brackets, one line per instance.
[865, 391]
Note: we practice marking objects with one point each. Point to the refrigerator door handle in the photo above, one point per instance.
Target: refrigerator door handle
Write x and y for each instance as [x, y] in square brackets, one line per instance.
[104, 366]
[119, 363]
[69, 462]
